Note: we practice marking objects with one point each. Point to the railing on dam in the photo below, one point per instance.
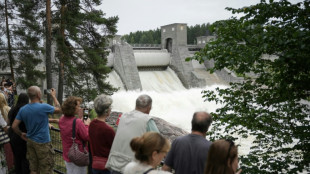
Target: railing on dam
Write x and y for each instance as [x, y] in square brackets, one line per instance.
[146, 46]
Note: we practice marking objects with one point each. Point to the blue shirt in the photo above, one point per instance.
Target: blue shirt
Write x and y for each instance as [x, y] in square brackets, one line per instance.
[35, 117]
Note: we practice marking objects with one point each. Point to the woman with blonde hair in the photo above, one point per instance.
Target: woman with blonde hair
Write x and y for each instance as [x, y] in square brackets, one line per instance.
[4, 108]
[149, 150]
[222, 158]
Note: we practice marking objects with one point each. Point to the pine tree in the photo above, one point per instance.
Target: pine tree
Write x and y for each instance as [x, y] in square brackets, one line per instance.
[27, 39]
[82, 37]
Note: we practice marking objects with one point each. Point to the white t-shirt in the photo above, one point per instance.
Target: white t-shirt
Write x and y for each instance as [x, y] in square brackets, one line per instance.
[135, 167]
[2, 121]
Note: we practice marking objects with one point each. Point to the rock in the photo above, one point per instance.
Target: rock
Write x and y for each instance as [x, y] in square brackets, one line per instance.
[166, 129]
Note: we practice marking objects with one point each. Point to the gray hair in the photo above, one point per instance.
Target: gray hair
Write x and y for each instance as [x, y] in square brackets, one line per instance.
[33, 91]
[143, 101]
[102, 104]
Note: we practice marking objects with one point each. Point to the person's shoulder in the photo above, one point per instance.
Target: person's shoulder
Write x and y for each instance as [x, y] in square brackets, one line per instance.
[79, 121]
[130, 166]
[159, 172]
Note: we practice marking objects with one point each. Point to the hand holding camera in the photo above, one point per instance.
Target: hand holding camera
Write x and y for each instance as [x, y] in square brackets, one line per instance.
[51, 92]
[86, 119]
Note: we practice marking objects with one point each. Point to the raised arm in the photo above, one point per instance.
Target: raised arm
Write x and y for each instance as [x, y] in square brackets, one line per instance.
[56, 103]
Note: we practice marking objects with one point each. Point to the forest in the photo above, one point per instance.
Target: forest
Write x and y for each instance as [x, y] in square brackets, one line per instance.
[154, 36]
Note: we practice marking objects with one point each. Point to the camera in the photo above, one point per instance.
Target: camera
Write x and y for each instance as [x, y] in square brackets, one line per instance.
[47, 91]
[85, 114]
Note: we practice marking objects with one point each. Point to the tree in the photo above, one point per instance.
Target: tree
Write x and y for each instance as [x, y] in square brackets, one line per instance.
[198, 30]
[81, 38]
[11, 59]
[48, 52]
[271, 105]
[27, 39]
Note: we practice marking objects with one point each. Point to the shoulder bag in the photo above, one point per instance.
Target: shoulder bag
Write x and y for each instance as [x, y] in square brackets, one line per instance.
[75, 155]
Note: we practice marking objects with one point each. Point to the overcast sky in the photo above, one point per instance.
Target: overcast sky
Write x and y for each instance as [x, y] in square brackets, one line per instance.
[145, 15]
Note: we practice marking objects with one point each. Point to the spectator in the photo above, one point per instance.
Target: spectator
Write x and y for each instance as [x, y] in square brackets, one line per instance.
[188, 153]
[149, 150]
[132, 124]
[35, 116]
[3, 91]
[3, 162]
[10, 94]
[19, 145]
[4, 108]
[3, 81]
[101, 135]
[70, 108]
[9, 82]
[222, 158]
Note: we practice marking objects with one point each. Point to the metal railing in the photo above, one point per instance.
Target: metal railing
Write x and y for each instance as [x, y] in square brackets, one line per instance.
[56, 142]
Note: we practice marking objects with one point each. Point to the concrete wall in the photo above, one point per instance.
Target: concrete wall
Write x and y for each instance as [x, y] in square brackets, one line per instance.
[125, 66]
[225, 74]
[178, 33]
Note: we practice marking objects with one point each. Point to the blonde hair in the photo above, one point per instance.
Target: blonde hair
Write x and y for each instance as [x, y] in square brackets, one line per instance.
[149, 142]
[4, 107]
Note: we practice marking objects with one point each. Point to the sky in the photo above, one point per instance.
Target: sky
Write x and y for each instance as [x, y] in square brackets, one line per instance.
[146, 15]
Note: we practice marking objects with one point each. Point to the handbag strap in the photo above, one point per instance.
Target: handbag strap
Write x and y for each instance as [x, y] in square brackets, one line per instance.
[73, 129]
[73, 133]
[148, 170]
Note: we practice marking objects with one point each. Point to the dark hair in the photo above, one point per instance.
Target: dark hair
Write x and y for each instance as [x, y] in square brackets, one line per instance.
[219, 153]
[201, 124]
[22, 100]
[149, 142]
[69, 106]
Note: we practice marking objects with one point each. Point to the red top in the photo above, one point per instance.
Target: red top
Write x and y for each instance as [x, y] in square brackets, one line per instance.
[117, 121]
[81, 134]
[101, 137]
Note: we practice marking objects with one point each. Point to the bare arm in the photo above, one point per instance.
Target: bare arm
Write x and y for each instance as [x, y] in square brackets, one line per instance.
[56, 103]
[17, 130]
[166, 168]
[6, 129]
[53, 120]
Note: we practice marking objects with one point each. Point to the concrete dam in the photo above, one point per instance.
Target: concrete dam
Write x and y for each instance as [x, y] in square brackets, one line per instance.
[130, 63]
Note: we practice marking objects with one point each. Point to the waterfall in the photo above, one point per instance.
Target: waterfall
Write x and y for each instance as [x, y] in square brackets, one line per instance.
[171, 100]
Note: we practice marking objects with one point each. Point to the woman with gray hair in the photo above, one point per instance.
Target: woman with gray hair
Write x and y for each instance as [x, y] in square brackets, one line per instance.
[101, 135]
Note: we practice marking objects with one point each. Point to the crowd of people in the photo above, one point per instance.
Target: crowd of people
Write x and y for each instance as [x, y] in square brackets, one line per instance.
[136, 147]
[8, 89]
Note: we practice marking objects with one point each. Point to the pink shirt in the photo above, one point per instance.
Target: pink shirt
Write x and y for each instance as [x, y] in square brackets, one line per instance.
[81, 134]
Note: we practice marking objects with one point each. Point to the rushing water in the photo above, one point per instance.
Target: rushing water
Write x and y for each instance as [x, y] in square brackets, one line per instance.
[171, 101]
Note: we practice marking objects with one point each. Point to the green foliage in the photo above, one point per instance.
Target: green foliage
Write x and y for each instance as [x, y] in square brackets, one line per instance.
[154, 36]
[27, 36]
[81, 41]
[198, 30]
[144, 37]
[270, 107]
